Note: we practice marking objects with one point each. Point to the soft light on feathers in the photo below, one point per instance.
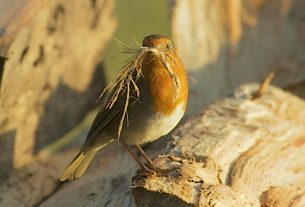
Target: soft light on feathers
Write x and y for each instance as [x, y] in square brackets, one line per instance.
[130, 74]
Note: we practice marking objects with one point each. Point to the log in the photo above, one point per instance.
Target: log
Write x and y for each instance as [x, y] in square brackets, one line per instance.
[108, 180]
[51, 75]
[106, 183]
[239, 152]
[227, 43]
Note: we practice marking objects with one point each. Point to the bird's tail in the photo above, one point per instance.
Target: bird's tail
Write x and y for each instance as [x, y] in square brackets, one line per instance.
[79, 165]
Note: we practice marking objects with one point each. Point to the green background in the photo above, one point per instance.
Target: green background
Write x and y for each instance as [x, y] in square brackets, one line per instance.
[136, 19]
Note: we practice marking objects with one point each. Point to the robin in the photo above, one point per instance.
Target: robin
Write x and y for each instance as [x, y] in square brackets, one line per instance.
[143, 104]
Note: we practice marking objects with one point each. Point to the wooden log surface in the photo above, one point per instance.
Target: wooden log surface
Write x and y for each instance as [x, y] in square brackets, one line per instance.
[108, 179]
[50, 79]
[14, 15]
[106, 183]
[227, 43]
[238, 152]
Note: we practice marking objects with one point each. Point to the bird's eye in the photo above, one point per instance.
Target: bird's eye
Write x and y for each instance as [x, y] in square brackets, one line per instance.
[169, 46]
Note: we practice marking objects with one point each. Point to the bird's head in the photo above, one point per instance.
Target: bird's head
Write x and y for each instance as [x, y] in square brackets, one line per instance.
[159, 42]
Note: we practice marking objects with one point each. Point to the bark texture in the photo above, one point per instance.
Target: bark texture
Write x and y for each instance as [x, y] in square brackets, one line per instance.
[106, 183]
[50, 78]
[227, 43]
[238, 152]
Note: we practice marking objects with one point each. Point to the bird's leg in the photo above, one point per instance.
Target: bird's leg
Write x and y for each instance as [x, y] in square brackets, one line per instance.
[135, 157]
[148, 160]
[150, 164]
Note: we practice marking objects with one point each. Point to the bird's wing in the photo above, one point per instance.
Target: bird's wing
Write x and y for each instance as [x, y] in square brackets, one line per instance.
[106, 115]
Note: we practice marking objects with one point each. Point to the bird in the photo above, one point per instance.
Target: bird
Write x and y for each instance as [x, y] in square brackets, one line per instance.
[144, 104]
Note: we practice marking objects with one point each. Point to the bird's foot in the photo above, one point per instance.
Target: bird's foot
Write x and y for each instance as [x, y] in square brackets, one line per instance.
[150, 169]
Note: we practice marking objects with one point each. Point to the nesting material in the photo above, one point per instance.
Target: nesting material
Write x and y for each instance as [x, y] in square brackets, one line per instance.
[126, 82]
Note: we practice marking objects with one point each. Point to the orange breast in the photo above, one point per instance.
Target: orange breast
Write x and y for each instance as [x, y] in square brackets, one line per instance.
[160, 84]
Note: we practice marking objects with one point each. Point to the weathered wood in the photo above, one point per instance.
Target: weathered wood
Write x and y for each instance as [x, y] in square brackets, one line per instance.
[106, 183]
[239, 152]
[50, 79]
[14, 14]
[227, 43]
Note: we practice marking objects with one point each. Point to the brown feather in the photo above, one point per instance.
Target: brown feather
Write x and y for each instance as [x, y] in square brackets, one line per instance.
[160, 83]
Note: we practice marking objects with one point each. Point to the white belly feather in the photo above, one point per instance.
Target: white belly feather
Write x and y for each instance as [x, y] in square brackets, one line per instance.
[157, 126]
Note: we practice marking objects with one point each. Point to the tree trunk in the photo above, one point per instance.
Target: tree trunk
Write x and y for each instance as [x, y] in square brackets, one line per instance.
[239, 152]
[50, 78]
[227, 43]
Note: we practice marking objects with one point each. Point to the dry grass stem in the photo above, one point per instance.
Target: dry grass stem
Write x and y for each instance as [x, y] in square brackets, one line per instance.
[264, 86]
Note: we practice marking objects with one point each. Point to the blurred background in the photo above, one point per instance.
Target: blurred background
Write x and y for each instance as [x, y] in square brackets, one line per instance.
[57, 56]
[136, 19]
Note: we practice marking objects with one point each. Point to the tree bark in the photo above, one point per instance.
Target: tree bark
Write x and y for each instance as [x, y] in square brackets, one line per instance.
[239, 152]
[51, 75]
